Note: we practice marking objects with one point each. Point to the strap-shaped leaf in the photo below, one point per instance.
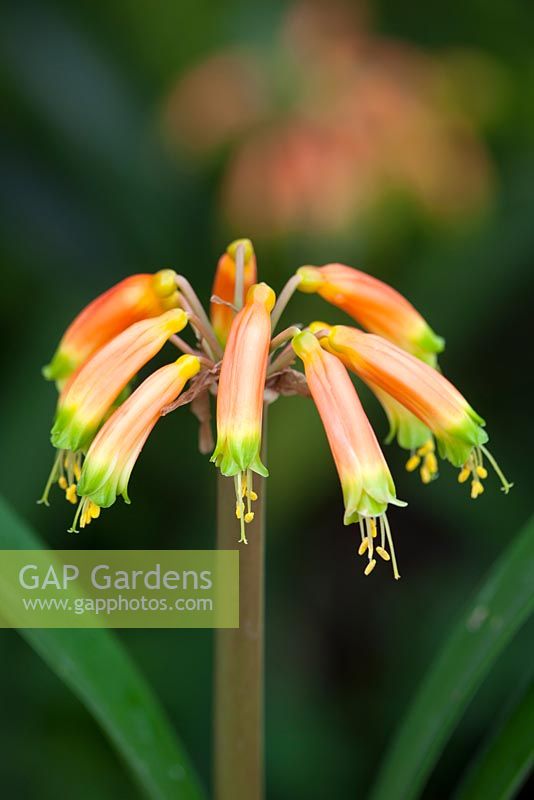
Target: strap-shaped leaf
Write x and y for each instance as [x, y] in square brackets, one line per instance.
[490, 620]
[97, 669]
[506, 759]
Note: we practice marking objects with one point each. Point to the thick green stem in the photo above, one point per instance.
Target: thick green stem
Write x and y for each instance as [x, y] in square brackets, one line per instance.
[239, 657]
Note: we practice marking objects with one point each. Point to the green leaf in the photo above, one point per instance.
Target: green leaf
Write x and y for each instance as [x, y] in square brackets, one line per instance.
[97, 669]
[506, 759]
[490, 620]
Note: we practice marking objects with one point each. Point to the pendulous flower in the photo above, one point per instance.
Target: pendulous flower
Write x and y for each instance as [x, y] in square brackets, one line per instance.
[374, 305]
[427, 394]
[116, 448]
[366, 481]
[240, 397]
[133, 299]
[90, 393]
[410, 433]
[222, 314]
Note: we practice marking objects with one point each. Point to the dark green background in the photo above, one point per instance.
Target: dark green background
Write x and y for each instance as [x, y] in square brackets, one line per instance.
[88, 195]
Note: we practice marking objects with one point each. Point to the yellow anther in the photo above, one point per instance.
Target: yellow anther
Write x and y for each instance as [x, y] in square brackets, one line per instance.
[482, 472]
[476, 489]
[431, 463]
[465, 472]
[426, 475]
[239, 510]
[71, 495]
[370, 567]
[62, 482]
[413, 463]
[85, 519]
[383, 553]
[363, 547]
[252, 495]
[373, 528]
[249, 516]
[94, 510]
[77, 471]
[426, 448]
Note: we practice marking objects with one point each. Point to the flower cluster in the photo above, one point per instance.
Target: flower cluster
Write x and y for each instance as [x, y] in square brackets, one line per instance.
[100, 427]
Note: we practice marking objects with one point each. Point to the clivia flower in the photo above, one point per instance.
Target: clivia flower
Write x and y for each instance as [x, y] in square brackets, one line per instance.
[86, 398]
[116, 447]
[410, 433]
[133, 299]
[221, 313]
[376, 306]
[366, 481]
[236, 359]
[240, 397]
[428, 395]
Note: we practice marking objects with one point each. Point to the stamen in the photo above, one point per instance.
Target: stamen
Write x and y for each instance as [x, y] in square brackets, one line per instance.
[482, 472]
[68, 466]
[71, 495]
[370, 567]
[426, 448]
[476, 489]
[383, 553]
[250, 494]
[238, 483]
[62, 482]
[373, 528]
[465, 472]
[369, 538]
[431, 463]
[412, 463]
[86, 513]
[363, 546]
[425, 474]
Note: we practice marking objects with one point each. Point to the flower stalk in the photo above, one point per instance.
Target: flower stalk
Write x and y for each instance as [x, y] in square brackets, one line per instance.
[239, 671]
[283, 299]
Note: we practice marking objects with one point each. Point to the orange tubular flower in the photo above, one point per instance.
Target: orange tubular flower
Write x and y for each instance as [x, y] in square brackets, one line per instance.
[240, 397]
[366, 481]
[116, 447]
[131, 300]
[375, 305]
[459, 430]
[410, 432]
[88, 396]
[224, 286]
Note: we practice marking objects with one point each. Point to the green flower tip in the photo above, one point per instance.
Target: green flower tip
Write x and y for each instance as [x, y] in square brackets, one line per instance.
[60, 367]
[236, 455]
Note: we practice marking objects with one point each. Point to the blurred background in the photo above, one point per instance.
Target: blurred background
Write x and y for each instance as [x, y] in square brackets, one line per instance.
[395, 137]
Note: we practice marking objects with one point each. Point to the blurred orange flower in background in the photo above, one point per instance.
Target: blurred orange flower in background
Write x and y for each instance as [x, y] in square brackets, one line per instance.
[332, 121]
